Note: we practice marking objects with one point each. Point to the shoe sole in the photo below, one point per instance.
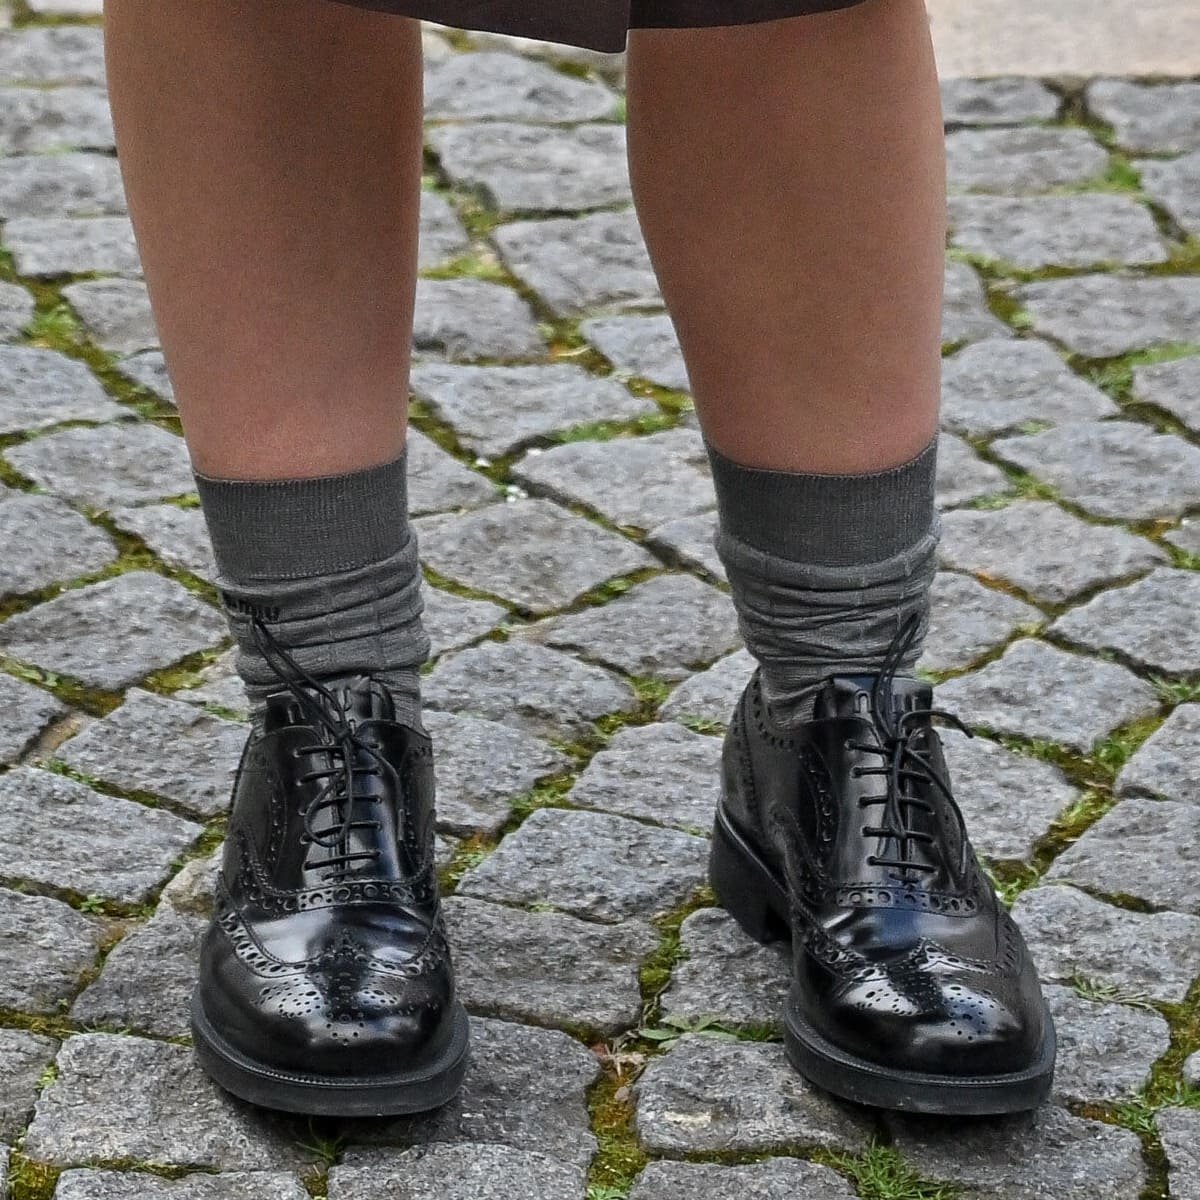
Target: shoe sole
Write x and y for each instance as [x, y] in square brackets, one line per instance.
[397, 1095]
[750, 893]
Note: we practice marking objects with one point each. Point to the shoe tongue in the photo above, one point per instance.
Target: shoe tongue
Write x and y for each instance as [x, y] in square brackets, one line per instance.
[851, 696]
[361, 697]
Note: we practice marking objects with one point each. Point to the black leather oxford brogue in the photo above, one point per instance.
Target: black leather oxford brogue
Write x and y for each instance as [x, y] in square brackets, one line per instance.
[912, 987]
[326, 984]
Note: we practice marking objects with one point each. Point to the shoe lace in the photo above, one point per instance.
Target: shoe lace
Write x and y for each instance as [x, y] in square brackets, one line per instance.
[903, 763]
[342, 747]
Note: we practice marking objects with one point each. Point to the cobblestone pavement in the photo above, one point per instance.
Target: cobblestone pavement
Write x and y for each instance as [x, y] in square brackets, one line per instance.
[626, 1040]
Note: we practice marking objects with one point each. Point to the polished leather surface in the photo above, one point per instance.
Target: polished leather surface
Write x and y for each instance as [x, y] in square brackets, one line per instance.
[903, 955]
[328, 957]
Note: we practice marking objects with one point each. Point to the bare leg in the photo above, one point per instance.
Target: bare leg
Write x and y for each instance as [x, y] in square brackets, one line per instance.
[789, 179]
[271, 156]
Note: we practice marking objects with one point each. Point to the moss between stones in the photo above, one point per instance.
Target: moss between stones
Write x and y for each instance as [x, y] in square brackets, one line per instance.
[30, 1180]
[620, 1157]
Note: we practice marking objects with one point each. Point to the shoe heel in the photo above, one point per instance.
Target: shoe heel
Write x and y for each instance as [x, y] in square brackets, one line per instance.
[745, 888]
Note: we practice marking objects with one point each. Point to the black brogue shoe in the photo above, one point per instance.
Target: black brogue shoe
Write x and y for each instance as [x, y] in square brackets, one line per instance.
[912, 987]
[326, 984]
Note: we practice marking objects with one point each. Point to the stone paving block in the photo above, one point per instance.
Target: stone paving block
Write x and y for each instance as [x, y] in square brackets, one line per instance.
[44, 247]
[666, 627]
[179, 536]
[1146, 849]
[1167, 764]
[438, 482]
[39, 120]
[73, 8]
[967, 620]
[661, 772]
[773, 1179]
[1119, 469]
[442, 236]
[646, 347]
[46, 541]
[633, 481]
[452, 621]
[1008, 800]
[999, 385]
[528, 687]
[1186, 537]
[1191, 1070]
[1004, 101]
[147, 981]
[1056, 231]
[23, 1058]
[75, 184]
[962, 475]
[466, 319]
[115, 313]
[548, 968]
[138, 1185]
[39, 388]
[1175, 185]
[111, 634]
[1159, 118]
[1071, 935]
[688, 542]
[707, 1095]
[221, 686]
[1045, 551]
[965, 314]
[591, 865]
[1179, 1129]
[578, 263]
[1039, 691]
[1027, 159]
[531, 553]
[107, 465]
[506, 87]
[120, 1097]
[494, 410]
[529, 167]
[1172, 386]
[525, 1088]
[1150, 622]
[1105, 315]
[27, 711]
[1105, 1051]
[16, 310]
[711, 695]
[190, 892]
[481, 767]
[53, 54]
[726, 976]
[458, 1172]
[125, 750]
[1045, 1155]
[45, 947]
[60, 833]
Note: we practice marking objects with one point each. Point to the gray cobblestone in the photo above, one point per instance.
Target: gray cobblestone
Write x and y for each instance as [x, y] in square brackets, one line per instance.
[453, 622]
[115, 313]
[220, 685]
[773, 1179]
[45, 947]
[138, 1185]
[529, 167]
[1186, 537]
[548, 968]
[111, 634]
[27, 711]
[688, 542]
[1191, 1070]
[56, 54]
[39, 388]
[438, 482]
[1039, 691]
[468, 319]
[1167, 765]
[494, 410]
[962, 475]
[1008, 100]
[442, 236]
[49, 246]
[711, 695]
[1045, 551]
[16, 310]
[1028, 159]
[62, 834]
[1175, 185]
[23, 1058]
[1056, 231]
[179, 536]
[965, 314]
[528, 687]
[46, 541]
[646, 347]
[1179, 1129]
[1071, 935]
[1160, 118]
[39, 120]
[591, 865]
[1172, 386]
[532, 553]
[75, 184]
[125, 750]
[967, 620]
[667, 627]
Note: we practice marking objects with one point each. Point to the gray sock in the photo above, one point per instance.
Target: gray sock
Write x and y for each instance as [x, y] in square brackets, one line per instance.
[826, 569]
[330, 565]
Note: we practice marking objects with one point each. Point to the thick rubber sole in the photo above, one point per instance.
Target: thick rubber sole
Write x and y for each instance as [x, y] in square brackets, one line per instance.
[750, 893]
[345, 1096]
